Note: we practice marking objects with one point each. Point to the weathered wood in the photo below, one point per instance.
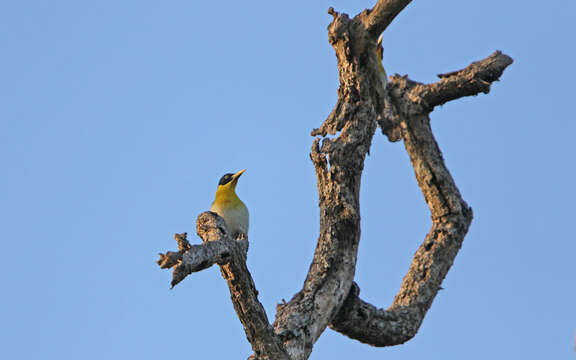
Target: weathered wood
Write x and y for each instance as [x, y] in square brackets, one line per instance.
[329, 297]
[377, 19]
[474, 79]
[451, 218]
[339, 161]
[450, 214]
[219, 249]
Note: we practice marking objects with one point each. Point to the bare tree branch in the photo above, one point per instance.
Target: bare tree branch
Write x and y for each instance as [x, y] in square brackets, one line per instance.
[171, 258]
[474, 79]
[451, 218]
[339, 162]
[364, 322]
[199, 257]
[405, 97]
[377, 19]
[192, 258]
[329, 297]
[231, 256]
[450, 214]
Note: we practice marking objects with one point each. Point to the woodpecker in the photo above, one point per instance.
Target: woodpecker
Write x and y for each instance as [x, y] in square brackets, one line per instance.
[229, 206]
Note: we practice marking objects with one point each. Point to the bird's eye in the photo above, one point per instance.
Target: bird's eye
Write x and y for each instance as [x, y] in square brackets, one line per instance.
[225, 179]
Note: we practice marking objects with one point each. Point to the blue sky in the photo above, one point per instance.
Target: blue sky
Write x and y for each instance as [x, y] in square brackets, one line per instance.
[117, 119]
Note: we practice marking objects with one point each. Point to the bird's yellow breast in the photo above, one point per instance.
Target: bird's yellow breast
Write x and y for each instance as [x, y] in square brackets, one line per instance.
[229, 206]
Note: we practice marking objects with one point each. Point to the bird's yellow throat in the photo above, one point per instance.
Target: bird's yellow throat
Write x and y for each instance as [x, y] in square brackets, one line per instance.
[226, 194]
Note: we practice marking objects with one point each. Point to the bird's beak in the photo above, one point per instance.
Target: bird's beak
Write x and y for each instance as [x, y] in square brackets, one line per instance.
[238, 174]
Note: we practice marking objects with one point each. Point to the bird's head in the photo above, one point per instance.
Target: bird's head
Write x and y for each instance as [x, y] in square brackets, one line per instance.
[228, 181]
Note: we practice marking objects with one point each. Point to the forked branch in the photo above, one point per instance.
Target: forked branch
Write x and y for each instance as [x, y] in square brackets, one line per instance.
[451, 218]
[329, 297]
[450, 214]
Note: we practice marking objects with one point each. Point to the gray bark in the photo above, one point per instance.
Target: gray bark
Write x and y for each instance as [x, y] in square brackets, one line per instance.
[329, 296]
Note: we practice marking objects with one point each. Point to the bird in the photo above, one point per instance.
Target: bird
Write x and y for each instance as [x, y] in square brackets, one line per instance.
[380, 52]
[229, 206]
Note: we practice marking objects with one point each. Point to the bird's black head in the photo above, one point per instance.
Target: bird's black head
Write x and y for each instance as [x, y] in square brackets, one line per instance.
[226, 179]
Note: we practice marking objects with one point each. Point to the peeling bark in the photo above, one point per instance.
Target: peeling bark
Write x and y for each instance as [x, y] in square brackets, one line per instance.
[329, 296]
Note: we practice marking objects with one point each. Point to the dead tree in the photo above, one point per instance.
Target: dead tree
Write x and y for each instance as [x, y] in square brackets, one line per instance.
[329, 296]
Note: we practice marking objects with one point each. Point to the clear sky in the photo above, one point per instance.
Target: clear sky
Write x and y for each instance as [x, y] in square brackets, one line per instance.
[117, 118]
